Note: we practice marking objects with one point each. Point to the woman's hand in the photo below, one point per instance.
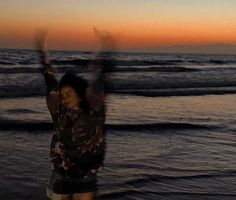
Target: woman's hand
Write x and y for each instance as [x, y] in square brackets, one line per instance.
[58, 148]
[40, 42]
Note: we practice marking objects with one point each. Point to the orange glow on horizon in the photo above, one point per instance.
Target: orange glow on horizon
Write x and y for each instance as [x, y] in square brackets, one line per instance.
[72, 36]
[139, 24]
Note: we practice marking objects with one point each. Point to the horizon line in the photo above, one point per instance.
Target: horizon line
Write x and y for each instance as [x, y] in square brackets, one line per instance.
[150, 49]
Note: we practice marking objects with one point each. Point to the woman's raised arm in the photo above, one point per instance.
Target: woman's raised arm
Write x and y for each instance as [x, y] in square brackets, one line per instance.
[102, 64]
[49, 73]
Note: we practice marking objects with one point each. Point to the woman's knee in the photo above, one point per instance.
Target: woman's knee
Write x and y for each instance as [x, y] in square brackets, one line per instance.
[53, 196]
[83, 196]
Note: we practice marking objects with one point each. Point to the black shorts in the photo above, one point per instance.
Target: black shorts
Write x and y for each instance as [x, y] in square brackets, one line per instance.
[61, 183]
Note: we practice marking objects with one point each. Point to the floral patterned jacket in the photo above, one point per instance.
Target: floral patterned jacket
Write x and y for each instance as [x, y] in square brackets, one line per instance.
[78, 141]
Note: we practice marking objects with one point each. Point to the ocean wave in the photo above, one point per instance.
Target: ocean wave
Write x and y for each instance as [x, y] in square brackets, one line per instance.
[117, 62]
[172, 195]
[81, 69]
[17, 91]
[6, 63]
[122, 69]
[158, 126]
[156, 69]
[147, 62]
[166, 92]
[81, 65]
[145, 178]
[27, 57]
[122, 62]
[27, 70]
[18, 111]
[46, 126]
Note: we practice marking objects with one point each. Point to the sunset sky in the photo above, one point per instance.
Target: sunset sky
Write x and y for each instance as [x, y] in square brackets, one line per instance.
[135, 24]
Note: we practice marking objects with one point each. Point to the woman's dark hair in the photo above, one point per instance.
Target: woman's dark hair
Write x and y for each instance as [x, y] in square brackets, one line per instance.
[79, 85]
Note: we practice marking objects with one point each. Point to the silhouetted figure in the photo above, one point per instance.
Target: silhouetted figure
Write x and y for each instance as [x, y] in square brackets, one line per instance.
[78, 142]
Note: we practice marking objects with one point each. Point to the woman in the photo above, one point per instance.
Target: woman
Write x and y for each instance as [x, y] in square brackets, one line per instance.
[78, 145]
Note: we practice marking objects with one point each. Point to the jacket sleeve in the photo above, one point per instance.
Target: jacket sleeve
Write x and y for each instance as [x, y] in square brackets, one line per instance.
[95, 94]
[52, 91]
[50, 73]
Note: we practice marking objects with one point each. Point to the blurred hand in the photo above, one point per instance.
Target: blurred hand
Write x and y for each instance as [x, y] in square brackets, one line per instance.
[40, 39]
[58, 149]
[108, 43]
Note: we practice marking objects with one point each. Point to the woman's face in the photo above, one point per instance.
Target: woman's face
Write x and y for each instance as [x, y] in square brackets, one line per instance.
[70, 99]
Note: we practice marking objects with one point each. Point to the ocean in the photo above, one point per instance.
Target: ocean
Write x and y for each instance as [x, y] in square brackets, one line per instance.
[170, 125]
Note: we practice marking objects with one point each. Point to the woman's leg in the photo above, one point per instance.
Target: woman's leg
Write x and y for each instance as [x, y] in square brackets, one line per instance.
[59, 187]
[83, 196]
[55, 196]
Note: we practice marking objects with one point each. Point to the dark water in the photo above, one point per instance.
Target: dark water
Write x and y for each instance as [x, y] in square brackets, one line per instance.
[174, 139]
